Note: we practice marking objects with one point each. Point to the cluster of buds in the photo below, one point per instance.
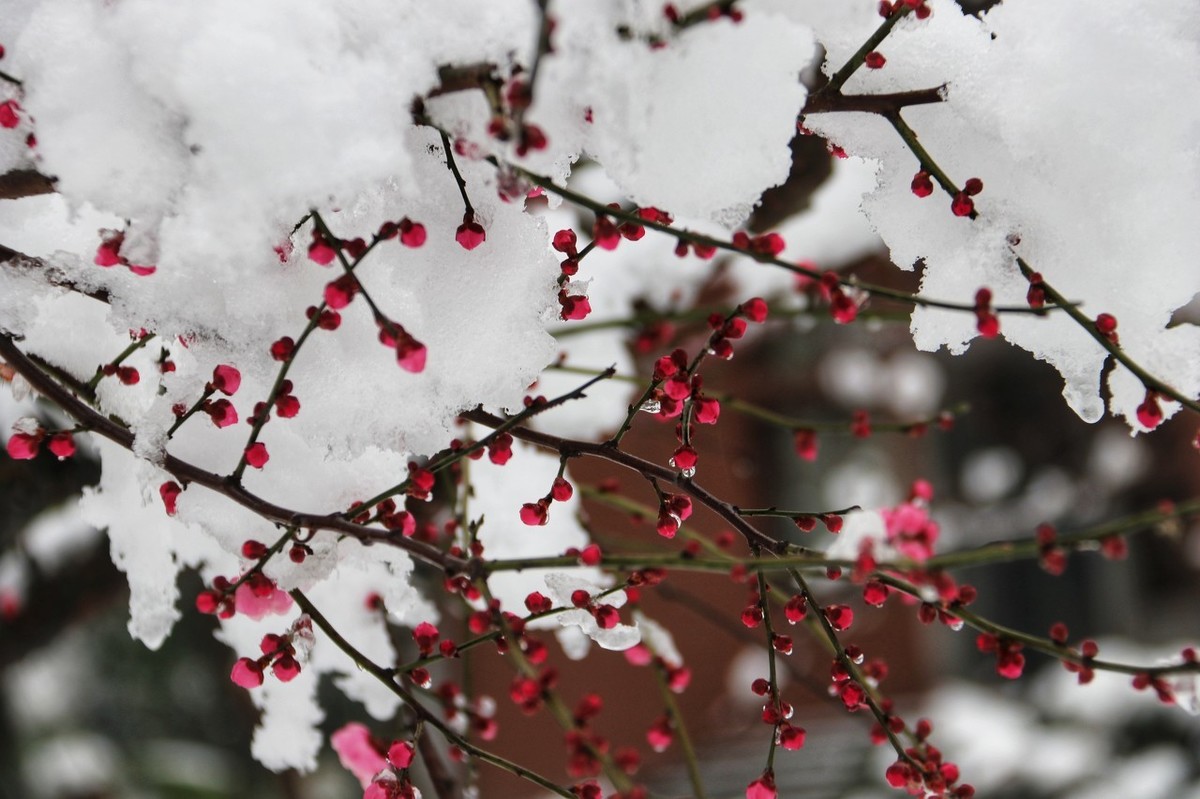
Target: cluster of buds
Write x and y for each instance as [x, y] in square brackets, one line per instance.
[1010, 663]
[843, 302]
[962, 204]
[1051, 556]
[281, 653]
[410, 353]
[322, 250]
[410, 233]
[673, 511]
[607, 234]
[924, 774]
[517, 95]
[704, 252]
[606, 615]
[254, 595]
[845, 687]
[529, 693]
[340, 291]
[1083, 670]
[775, 711]
[585, 746]
[986, 321]
[919, 8]
[537, 514]
[382, 769]
[420, 482]
[766, 246]
[390, 515]
[479, 716]
[28, 436]
[226, 380]
[253, 550]
[922, 771]
[1036, 296]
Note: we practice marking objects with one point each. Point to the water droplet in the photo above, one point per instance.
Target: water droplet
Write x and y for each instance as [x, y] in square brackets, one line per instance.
[651, 406]
[689, 472]
[955, 624]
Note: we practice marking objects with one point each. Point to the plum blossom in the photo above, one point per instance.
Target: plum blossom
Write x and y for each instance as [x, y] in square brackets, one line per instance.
[359, 751]
[910, 530]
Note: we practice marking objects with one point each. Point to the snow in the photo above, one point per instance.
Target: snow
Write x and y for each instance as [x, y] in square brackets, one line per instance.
[664, 120]
[1011, 120]
[617, 638]
[530, 472]
[658, 639]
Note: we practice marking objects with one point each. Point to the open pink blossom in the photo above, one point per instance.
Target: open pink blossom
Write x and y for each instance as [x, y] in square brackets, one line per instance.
[358, 751]
[910, 530]
[256, 607]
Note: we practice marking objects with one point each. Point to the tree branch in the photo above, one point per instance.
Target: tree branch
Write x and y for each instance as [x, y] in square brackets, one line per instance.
[25, 183]
[725, 510]
[823, 102]
[190, 473]
[51, 274]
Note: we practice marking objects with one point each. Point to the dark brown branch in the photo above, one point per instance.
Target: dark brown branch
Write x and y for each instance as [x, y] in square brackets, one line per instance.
[25, 183]
[190, 473]
[463, 78]
[885, 104]
[388, 679]
[51, 274]
[566, 446]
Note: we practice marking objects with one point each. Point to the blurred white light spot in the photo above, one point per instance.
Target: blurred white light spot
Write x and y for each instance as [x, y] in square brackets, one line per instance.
[912, 385]
[990, 474]
[849, 376]
[1116, 459]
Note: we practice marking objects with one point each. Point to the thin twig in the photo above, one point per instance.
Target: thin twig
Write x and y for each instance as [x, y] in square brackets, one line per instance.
[385, 677]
